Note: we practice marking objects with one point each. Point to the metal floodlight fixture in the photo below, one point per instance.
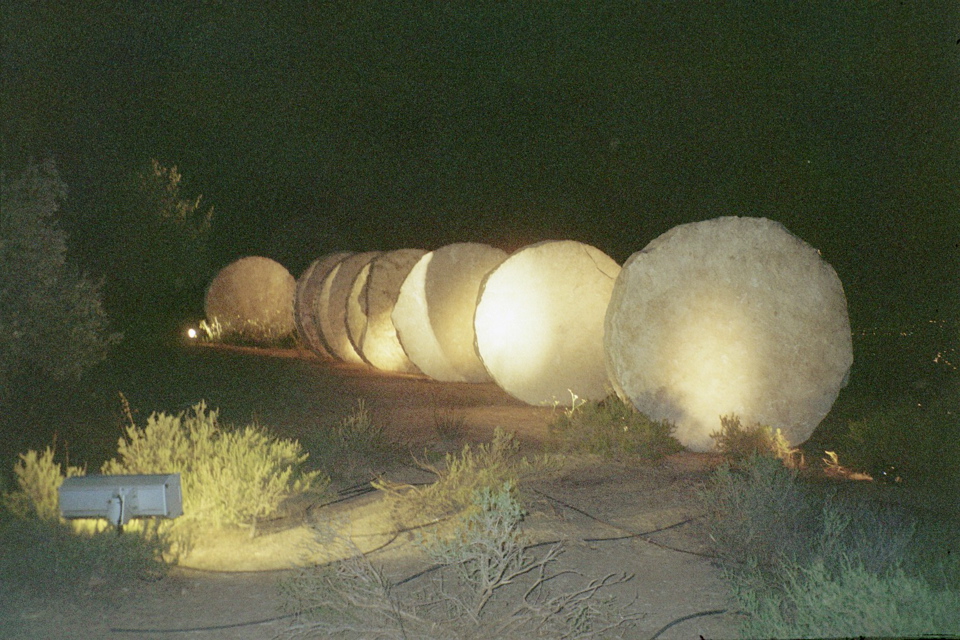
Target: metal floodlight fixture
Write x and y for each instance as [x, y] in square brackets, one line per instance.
[120, 498]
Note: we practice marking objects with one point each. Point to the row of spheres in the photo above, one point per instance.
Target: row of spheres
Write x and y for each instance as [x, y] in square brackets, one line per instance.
[730, 315]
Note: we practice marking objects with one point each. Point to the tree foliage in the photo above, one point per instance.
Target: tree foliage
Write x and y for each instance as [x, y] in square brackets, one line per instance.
[159, 260]
[51, 318]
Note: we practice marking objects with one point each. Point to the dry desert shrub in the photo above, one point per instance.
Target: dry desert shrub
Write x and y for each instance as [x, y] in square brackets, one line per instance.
[230, 477]
[612, 428]
[461, 474]
[739, 443]
[486, 582]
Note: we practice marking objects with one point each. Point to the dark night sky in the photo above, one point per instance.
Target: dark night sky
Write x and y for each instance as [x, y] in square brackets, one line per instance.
[383, 125]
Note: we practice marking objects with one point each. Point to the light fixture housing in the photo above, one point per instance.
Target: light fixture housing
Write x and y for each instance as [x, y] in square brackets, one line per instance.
[119, 498]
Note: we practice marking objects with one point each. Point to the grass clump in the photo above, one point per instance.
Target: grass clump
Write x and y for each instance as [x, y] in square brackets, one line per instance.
[462, 474]
[354, 448]
[38, 479]
[449, 425]
[612, 428]
[485, 583]
[739, 443]
[803, 564]
[229, 477]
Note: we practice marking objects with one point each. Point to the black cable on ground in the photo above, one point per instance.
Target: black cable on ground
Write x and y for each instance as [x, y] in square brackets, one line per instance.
[215, 627]
[627, 533]
[699, 614]
[396, 534]
[643, 536]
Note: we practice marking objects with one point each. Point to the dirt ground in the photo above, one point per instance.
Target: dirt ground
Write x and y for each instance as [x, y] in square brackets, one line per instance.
[610, 517]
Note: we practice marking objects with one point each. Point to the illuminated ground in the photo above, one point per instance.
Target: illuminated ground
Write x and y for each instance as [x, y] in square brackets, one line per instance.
[588, 503]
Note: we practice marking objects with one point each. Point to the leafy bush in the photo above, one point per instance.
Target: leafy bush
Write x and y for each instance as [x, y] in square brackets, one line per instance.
[758, 515]
[45, 556]
[852, 602]
[740, 443]
[612, 427]
[229, 477]
[158, 249]
[38, 479]
[785, 550]
[461, 475]
[51, 319]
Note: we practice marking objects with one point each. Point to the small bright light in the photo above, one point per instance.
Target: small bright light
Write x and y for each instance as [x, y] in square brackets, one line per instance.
[192, 333]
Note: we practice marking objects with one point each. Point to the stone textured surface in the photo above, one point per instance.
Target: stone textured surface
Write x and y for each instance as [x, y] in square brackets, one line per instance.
[332, 310]
[253, 298]
[356, 317]
[412, 321]
[539, 322]
[435, 309]
[731, 315]
[378, 342]
[305, 301]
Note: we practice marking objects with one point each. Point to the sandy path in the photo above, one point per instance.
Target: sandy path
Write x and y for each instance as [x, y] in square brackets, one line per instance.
[596, 508]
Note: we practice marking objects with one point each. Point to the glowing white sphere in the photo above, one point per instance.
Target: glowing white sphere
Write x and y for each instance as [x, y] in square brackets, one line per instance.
[539, 322]
[434, 312]
[375, 336]
[306, 303]
[253, 298]
[356, 318]
[334, 297]
[731, 315]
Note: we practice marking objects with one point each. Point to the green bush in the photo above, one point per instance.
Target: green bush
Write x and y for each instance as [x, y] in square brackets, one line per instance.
[757, 514]
[38, 479]
[612, 428]
[228, 477]
[739, 443]
[51, 320]
[785, 549]
[461, 475]
[41, 554]
[48, 557]
[816, 602]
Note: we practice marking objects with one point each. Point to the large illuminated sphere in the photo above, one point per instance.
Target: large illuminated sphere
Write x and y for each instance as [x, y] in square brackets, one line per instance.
[356, 317]
[252, 298]
[434, 312]
[539, 322]
[732, 315]
[305, 301]
[332, 310]
[377, 342]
